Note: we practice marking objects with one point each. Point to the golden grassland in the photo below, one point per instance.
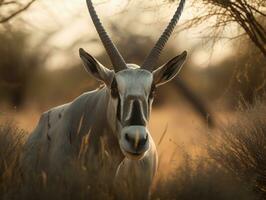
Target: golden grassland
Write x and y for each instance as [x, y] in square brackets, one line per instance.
[227, 162]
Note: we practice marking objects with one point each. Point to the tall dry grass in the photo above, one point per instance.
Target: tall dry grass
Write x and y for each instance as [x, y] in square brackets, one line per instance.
[240, 147]
[233, 168]
[11, 141]
[201, 179]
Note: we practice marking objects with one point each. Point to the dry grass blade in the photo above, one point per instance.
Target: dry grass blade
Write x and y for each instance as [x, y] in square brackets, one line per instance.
[163, 135]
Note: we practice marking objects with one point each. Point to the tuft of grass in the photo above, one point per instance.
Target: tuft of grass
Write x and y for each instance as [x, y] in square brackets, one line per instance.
[200, 179]
[11, 142]
[240, 146]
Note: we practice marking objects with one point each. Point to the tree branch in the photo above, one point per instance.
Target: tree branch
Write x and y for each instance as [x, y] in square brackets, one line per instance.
[6, 19]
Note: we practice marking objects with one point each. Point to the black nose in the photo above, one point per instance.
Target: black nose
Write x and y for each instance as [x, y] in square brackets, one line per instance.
[136, 141]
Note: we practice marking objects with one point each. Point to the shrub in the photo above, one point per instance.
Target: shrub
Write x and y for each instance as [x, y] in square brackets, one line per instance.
[240, 147]
[200, 179]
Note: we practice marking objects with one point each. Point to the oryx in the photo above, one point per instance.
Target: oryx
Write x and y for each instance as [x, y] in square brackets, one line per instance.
[118, 112]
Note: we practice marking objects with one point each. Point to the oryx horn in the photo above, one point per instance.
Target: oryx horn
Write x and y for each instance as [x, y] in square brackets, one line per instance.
[153, 56]
[116, 58]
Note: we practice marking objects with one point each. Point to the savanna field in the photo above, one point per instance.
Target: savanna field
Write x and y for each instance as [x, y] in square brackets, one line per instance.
[222, 163]
[208, 123]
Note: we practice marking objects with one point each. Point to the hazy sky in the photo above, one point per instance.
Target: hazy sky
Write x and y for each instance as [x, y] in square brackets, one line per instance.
[71, 21]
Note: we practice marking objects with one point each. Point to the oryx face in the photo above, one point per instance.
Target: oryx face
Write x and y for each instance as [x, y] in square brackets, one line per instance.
[131, 94]
[131, 87]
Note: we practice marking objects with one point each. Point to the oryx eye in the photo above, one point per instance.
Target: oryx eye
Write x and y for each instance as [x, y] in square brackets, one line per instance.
[114, 89]
[152, 92]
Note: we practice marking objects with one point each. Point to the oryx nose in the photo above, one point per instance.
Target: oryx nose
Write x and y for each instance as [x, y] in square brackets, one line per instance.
[137, 138]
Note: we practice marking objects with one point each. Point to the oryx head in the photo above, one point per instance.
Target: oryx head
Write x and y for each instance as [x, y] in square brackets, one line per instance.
[131, 86]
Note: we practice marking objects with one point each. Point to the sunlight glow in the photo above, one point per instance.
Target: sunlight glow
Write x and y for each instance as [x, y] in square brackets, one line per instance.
[67, 21]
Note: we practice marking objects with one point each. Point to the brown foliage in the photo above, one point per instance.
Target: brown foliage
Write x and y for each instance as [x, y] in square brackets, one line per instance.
[248, 14]
[241, 147]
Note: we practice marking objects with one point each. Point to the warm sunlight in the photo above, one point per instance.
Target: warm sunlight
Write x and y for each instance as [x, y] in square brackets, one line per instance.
[132, 100]
[73, 21]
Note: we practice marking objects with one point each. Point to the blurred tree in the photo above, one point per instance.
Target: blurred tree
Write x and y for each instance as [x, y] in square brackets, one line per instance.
[17, 65]
[240, 76]
[248, 14]
[11, 8]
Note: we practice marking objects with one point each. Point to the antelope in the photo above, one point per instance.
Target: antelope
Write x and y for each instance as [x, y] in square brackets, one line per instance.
[119, 112]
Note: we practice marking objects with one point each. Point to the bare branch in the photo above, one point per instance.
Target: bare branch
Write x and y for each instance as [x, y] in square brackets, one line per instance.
[15, 13]
[10, 3]
[246, 13]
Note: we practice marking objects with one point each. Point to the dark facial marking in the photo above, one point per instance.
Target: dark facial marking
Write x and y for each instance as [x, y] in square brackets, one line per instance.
[115, 94]
[136, 115]
[114, 89]
[152, 91]
[118, 112]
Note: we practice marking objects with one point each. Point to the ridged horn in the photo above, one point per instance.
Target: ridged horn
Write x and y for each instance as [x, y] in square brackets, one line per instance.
[154, 54]
[114, 55]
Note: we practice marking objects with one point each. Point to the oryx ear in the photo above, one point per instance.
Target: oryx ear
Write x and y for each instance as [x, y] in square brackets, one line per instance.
[169, 70]
[95, 68]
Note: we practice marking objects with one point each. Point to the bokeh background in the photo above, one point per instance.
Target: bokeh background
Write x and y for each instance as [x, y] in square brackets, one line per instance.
[226, 68]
